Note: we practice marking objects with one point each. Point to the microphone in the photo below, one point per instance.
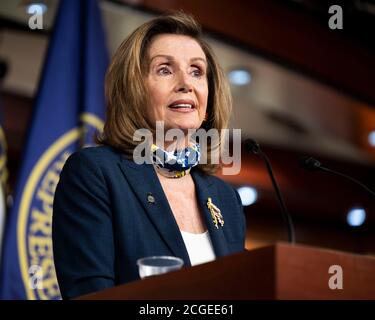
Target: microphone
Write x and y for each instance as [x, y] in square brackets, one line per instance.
[3, 69]
[253, 147]
[312, 164]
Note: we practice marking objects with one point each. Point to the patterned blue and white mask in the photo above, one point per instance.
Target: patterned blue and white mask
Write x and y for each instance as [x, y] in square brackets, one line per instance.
[175, 164]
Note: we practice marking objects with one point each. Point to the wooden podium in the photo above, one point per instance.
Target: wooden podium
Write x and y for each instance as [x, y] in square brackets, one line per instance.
[281, 271]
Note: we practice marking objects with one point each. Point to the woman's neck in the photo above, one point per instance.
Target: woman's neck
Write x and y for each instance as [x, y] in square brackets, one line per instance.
[177, 144]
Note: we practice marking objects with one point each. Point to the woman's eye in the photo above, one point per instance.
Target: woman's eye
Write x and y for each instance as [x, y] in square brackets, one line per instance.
[197, 73]
[164, 71]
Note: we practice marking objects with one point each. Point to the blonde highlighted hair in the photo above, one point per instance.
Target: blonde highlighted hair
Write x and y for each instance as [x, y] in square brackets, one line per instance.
[125, 89]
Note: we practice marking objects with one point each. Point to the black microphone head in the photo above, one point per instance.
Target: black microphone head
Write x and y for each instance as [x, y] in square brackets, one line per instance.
[309, 163]
[3, 69]
[252, 146]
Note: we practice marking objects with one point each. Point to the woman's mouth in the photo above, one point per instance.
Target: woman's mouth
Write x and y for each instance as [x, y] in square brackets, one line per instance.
[182, 106]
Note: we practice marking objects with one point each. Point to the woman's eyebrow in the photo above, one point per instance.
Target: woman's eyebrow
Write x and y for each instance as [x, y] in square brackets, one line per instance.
[170, 58]
[199, 59]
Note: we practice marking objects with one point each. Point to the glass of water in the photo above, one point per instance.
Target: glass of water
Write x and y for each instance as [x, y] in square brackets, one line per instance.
[151, 266]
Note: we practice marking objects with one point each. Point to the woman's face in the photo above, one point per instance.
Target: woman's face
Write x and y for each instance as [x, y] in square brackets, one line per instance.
[177, 82]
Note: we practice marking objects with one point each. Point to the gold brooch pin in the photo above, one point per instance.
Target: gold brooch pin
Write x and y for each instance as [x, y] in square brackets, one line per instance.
[215, 213]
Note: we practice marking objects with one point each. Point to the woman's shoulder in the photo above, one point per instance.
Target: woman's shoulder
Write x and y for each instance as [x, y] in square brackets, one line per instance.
[92, 161]
[100, 155]
[97, 151]
[102, 160]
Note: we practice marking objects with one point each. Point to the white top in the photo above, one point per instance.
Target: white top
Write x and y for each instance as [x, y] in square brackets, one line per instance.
[199, 247]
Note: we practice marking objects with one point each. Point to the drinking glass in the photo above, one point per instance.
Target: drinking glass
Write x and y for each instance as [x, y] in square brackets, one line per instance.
[150, 266]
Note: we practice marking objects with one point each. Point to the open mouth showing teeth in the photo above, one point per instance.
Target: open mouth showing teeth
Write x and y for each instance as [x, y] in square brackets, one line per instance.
[181, 106]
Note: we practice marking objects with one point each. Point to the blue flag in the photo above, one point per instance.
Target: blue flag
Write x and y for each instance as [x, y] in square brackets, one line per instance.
[69, 109]
[3, 180]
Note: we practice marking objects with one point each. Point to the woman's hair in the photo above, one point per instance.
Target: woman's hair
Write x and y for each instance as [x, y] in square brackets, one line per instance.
[125, 88]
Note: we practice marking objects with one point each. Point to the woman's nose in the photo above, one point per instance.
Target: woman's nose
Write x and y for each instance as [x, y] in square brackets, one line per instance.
[183, 83]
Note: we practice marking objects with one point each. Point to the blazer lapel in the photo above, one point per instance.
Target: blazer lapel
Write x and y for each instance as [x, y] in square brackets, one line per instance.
[145, 183]
[205, 189]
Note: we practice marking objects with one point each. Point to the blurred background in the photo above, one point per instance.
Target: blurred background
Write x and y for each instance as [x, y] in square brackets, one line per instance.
[299, 88]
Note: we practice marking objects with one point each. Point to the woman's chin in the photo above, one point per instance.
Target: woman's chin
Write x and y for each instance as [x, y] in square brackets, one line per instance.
[184, 126]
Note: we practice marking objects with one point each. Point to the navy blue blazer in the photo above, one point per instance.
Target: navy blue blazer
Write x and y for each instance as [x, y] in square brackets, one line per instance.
[103, 221]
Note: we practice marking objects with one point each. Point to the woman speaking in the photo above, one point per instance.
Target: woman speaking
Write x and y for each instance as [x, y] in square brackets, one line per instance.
[110, 211]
